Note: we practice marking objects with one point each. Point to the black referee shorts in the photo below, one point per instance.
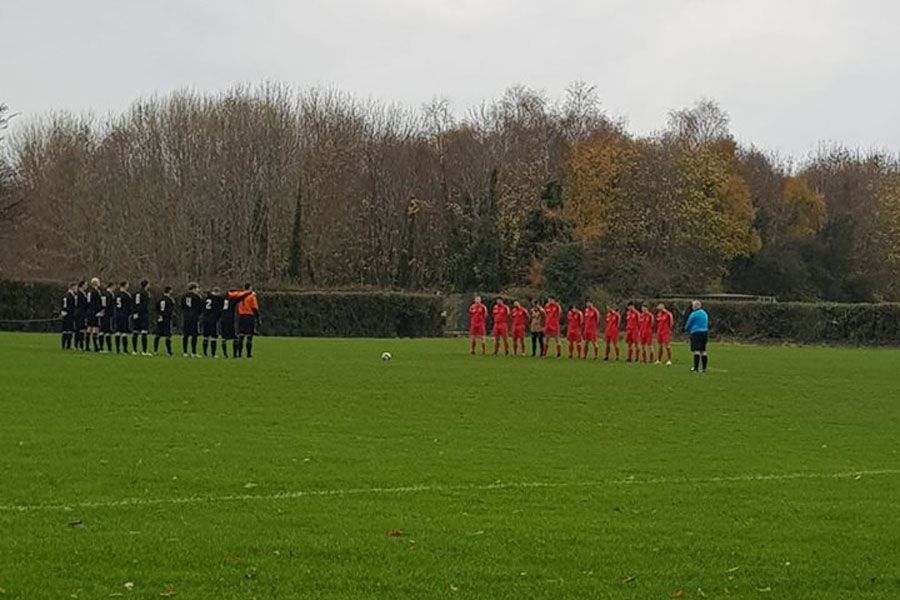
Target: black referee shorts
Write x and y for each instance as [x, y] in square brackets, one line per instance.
[699, 341]
[247, 325]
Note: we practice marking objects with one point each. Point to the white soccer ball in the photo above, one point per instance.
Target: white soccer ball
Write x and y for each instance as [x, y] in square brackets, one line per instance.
[386, 356]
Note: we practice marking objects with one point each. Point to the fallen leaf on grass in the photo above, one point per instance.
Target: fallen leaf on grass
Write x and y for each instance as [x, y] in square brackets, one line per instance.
[168, 591]
[129, 585]
[76, 524]
[454, 588]
[624, 580]
[249, 485]
[678, 593]
[765, 589]
[396, 533]
[732, 569]
[701, 593]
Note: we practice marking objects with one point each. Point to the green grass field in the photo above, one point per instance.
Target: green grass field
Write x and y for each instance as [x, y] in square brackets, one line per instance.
[775, 475]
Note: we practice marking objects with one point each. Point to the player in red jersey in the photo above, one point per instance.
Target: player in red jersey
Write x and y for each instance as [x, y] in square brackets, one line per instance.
[591, 325]
[520, 322]
[631, 331]
[664, 321]
[574, 323]
[500, 315]
[611, 333]
[477, 323]
[554, 312]
[645, 334]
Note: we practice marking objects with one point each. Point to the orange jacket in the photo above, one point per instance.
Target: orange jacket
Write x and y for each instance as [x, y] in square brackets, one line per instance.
[247, 304]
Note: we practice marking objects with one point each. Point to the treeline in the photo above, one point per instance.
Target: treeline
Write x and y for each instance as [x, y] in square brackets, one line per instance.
[320, 189]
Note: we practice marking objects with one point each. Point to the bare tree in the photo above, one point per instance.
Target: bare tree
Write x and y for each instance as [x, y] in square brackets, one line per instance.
[11, 200]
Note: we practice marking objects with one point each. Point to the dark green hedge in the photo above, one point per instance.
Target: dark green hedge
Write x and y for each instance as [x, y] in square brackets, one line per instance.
[809, 323]
[36, 302]
[351, 314]
[394, 314]
[801, 322]
[334, 314]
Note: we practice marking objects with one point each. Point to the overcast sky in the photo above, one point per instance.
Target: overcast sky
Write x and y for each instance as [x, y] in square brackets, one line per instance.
[791, 73]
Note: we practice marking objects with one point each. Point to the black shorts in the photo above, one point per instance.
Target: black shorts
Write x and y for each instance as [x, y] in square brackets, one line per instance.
[80, 322]
[93, 321]
[698, 341]
[190, 327]
[142, 322]
[227, 329]
[123, 323]
[164, 328]
[107, 324]
[68, 324]
[210, 328]
[247, 325]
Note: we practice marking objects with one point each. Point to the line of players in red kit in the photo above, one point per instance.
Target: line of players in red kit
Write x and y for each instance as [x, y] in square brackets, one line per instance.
[582, 327]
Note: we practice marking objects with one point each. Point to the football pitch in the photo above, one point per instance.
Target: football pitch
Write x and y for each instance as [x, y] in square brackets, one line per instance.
[316, 470]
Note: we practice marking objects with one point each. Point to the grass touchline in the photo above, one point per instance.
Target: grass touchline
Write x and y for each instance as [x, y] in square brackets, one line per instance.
[411, 489]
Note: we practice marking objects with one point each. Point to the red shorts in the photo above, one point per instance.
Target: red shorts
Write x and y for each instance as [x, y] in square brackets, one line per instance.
[477, 330]
[519, 333]
[665, 337]
[574, 336]
[631, 336]
[611, 336]
[500, 331]
[590, 336]
[551, 331]
[646, 338]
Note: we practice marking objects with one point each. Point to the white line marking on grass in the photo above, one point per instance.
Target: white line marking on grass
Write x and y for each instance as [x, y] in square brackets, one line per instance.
[413, 489]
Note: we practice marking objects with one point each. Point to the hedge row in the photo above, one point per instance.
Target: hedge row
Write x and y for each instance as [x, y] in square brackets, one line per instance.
[810, 323]
[333, 314]
[352, 314]
[29, 306]
[393, 314]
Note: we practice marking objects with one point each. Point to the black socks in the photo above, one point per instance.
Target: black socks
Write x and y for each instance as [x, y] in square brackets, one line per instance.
[705, 360]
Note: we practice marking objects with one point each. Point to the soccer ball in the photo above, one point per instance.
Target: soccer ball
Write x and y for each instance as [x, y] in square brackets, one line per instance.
[386, 356]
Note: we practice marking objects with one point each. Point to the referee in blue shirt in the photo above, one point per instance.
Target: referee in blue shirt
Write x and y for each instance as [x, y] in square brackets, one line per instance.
[697, 325]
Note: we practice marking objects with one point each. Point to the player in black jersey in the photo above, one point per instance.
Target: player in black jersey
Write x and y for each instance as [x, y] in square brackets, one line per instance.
[123, 317]
[226, 324]
[67, 314]
[141, 309]
[81, 310]
[165, 308]
[94, 296]
[212, 312]
[191, 306]
[108, 316]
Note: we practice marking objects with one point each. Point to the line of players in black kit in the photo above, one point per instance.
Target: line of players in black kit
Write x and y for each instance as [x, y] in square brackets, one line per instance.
[92, 317]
